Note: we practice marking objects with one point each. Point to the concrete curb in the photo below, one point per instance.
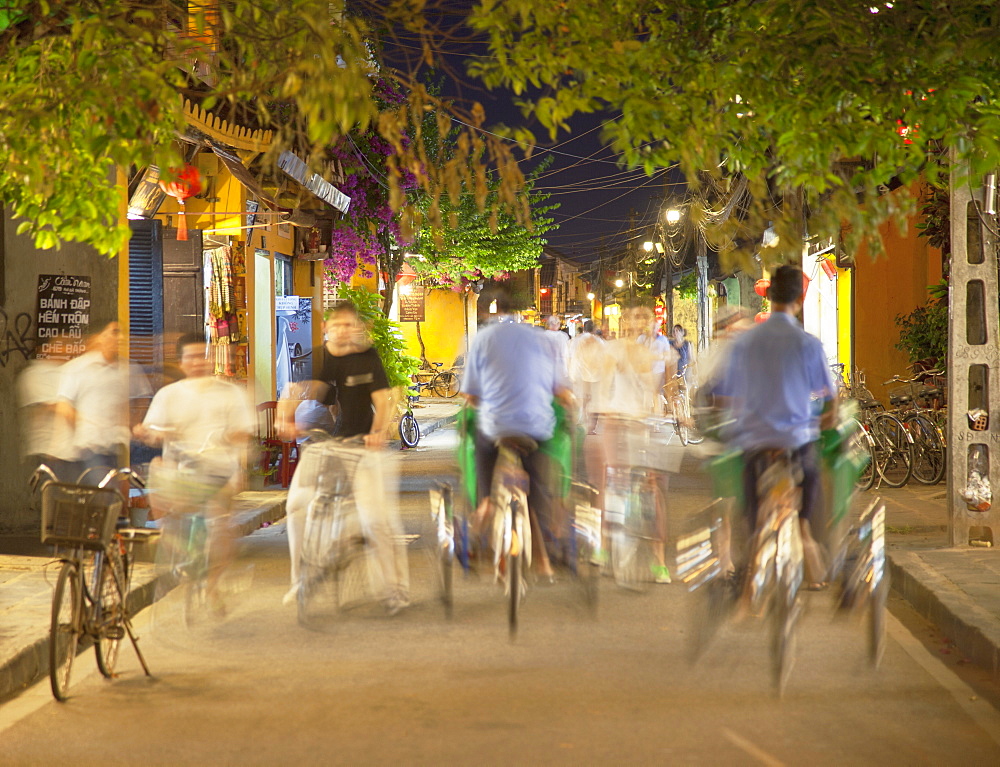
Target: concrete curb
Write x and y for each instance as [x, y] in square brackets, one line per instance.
[974, 630]
[29, 662]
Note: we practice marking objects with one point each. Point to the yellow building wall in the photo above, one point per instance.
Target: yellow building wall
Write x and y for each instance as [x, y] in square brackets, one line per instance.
[448, 318]
[894, 284]
[844, 279]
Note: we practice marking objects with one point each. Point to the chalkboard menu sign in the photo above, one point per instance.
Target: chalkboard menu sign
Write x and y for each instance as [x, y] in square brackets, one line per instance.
[63, 315]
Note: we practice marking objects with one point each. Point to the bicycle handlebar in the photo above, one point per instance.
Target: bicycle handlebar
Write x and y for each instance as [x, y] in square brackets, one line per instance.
[133, 478]
[37, 474]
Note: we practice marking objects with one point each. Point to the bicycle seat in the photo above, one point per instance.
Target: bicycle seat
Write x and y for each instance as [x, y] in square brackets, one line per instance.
[518, 443]
[902, 399]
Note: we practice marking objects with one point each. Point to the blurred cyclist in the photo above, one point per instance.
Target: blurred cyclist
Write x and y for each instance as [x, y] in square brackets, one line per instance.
[511, 378]
[204, 425]
[350, 365]
[775, 371]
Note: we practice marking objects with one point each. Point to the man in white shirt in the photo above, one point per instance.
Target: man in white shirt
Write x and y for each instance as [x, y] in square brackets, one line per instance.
[558, 341]
[587, 359]
[204, 424]
[94, 398]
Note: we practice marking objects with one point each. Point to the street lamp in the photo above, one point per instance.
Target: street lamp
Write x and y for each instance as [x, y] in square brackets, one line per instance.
[647, 246]
[673, 216]
[619, 282]
[590, 296]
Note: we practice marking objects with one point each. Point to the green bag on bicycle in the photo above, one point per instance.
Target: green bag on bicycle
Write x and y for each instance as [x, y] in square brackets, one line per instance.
[560, 448]
[466, 452]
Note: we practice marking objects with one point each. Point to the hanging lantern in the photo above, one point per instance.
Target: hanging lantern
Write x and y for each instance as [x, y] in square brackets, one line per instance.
[805, 284]
[187, 183]
[828, 268]
[761, 317]
[760, 287]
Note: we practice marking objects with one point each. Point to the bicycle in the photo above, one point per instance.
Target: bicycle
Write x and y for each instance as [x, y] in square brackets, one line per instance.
[891, 442]
[678, 399]
[929, 447]
[444, 383]
[409, 429]
[511, 537]
[634, 507]
[443, 517]
[333, 557]
[863, 575]
[80, 519]
[777, 562]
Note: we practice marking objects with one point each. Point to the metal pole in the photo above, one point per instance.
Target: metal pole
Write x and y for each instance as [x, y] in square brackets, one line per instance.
[701, 262]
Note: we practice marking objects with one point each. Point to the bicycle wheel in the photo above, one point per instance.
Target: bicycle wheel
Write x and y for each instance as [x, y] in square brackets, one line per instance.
[110, 610]
[587, 526]
[785, 606]
[66, 627]
[928, 449]
[446, 384]
[513, 569]
[316, 578]
[695, 437]
[708, 607]
[409, 430]
[894, 450]
[680, 419]
[861, 445]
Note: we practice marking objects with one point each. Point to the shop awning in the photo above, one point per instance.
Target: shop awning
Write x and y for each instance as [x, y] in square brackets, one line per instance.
[242, 174]
[298, 170]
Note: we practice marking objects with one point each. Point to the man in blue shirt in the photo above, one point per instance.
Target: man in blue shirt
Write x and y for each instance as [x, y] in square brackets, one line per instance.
[775, 372]
[511, 378]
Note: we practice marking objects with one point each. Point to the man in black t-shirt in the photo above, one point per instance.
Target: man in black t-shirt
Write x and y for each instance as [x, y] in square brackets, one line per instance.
[350, 366]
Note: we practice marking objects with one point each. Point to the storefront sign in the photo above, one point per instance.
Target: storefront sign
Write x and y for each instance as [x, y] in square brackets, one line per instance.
[63, 315]
[411, 305]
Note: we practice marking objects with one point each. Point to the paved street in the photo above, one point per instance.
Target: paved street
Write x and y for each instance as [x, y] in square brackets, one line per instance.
[256, 688]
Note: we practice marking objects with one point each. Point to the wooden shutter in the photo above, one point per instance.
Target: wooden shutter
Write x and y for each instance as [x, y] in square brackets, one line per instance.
[145, 293]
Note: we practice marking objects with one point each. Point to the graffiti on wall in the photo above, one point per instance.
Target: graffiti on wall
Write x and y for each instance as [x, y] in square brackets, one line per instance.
[15, 336]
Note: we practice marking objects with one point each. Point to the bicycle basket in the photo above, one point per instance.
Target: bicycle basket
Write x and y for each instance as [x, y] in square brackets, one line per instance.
[73, 515]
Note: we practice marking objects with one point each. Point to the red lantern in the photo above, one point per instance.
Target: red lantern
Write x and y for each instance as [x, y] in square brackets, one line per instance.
[805, 284]
[761, 317]
[186, 183]
[828, 268]
[760, 287]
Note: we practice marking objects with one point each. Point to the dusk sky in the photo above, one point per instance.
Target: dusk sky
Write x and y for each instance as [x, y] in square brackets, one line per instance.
[596, 196]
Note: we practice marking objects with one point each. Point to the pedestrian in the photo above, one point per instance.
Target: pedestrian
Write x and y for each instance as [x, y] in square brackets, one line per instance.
[775, 371]
[628, 393]
[680, 344]
[351, 367]
[558, 340]
[98, 397]
[663, 357]
[586, 361]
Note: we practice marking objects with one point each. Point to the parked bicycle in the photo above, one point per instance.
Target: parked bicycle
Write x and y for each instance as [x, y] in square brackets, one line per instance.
[929, 445]
[93, 545]
[444, 383]
[891, 443]
[409, 429]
